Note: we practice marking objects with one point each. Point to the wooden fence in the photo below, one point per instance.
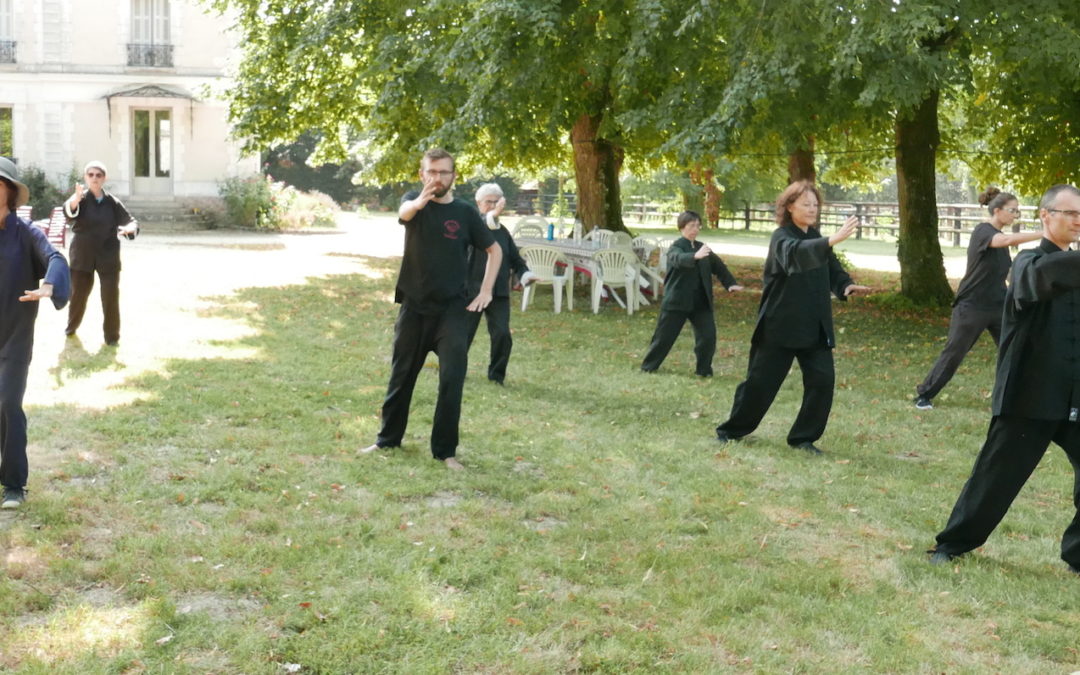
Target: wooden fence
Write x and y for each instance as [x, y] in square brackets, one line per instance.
[879, 220]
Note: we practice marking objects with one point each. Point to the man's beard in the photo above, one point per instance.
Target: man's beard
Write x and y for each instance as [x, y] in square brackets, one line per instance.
[441, 192]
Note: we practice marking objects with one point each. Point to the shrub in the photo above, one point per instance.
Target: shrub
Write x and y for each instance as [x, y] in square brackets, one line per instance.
[262, 204]
[247, 200]
[45, 194]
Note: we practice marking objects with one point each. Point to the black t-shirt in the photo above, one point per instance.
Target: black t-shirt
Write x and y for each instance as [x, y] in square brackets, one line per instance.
[435, 265]
[983, 285]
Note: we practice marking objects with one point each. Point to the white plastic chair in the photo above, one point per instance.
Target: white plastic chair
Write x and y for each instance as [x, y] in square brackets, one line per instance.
[531, 226]
[600, 238]
[620, 240]
[23, 212]
[614, 267]
[662, 247]
[644, 248]
[544, 262]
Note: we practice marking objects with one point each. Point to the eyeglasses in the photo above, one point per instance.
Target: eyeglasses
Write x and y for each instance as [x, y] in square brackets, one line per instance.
[1013, 211]
[432, 173]
[94, 174]
[1067, 213]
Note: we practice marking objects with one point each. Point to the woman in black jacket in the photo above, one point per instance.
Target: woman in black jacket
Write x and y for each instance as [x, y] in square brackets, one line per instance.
[97, 218]
[688, 294]
[795, 321]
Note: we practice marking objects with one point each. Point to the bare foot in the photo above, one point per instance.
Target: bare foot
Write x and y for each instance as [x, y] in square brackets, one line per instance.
[452, 463]
[369, 449]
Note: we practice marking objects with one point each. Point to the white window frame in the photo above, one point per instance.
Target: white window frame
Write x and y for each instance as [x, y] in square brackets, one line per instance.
[150, 22]
[7, 19]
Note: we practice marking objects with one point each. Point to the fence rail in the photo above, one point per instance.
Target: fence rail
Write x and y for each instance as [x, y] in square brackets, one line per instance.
[879, 220]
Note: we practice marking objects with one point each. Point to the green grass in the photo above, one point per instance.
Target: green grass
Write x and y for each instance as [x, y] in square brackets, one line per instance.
[223, 522]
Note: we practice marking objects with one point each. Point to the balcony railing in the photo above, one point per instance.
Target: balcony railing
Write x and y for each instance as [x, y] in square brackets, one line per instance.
[152, 56]
[7, 51]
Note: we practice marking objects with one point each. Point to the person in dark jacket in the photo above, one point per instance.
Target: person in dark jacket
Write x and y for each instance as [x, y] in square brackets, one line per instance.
[981, 294]
[97, 219]
[688, 294]
[491, 202]
[1036, 397]
[27, 257]
[795, 321]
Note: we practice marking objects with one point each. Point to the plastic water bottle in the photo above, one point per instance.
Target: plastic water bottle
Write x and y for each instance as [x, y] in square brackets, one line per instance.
[577, 231]
[551, 231]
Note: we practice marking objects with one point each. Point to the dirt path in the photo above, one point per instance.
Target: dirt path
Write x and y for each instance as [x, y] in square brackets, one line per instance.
[167, 283]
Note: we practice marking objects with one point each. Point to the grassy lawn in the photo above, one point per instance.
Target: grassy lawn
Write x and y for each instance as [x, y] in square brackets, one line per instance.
[221, 522]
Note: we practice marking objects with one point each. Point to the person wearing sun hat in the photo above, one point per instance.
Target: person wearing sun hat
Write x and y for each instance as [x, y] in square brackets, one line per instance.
[28, 258]
[96, 219]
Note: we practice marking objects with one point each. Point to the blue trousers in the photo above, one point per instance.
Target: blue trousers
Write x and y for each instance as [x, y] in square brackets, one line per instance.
[13, 465]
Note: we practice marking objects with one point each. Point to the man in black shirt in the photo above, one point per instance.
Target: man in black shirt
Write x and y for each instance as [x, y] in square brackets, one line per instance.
[432, 289]
[1037, 390]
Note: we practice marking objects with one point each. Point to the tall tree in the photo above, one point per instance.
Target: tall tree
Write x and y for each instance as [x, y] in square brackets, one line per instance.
[513, 83]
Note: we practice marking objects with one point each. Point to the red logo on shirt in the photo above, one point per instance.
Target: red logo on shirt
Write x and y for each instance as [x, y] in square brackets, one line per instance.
[452, 227]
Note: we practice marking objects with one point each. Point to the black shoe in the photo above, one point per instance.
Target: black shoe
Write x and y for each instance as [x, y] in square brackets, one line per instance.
[941, 557]
[724, 437]
[808, 447]
[13, 498]
[708, 374]
[648, 370]
[923, 403]
[1074, 569]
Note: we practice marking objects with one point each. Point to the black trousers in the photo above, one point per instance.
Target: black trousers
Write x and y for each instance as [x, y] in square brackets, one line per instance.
[13, 464]
[498, 324]
[1013, 448]
[965, 327]
[668, 326]
[415, 334]
[81, 285]
[769, 366]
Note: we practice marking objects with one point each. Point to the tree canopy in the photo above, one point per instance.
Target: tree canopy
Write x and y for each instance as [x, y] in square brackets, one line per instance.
[764, 88]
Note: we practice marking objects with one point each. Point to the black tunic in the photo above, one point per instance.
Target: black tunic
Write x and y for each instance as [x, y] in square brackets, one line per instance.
[1038, 371]
[801, 274]
[689, 279]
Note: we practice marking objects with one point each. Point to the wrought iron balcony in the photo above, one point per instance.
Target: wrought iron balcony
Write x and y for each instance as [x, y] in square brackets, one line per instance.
[7, 51]
[152, 56]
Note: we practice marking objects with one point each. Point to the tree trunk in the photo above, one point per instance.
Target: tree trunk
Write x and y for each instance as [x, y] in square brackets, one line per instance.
[922, 270]
[800, 164]
[712, 199]
[694, 200]
[597, 163]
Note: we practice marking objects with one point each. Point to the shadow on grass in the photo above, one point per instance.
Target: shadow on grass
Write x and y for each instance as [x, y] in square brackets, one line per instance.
[74, 361]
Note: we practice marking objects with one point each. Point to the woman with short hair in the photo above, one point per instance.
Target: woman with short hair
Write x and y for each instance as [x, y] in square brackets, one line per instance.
[688, 295]
[97, 219]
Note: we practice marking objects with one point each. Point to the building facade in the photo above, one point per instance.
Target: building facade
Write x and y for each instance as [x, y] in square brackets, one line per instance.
[132, 83]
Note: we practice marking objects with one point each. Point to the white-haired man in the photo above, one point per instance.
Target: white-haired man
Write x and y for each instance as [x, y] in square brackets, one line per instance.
[491, 202]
